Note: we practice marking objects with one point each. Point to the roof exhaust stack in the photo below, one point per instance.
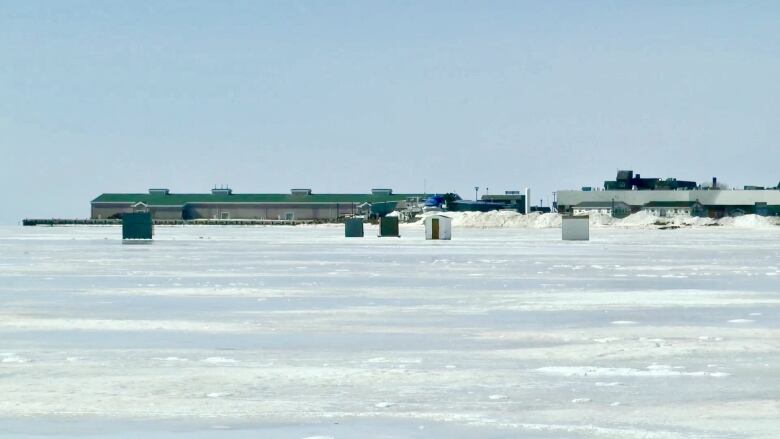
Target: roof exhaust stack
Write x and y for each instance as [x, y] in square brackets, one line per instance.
[527, 200]
[222, 190]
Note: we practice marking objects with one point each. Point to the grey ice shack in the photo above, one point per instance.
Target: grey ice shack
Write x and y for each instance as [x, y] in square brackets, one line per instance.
[575, 228]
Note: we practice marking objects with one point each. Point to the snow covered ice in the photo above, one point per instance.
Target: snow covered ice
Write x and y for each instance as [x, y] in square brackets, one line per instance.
[296, 332]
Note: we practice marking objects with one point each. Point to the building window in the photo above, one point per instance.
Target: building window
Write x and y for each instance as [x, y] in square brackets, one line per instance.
[224, 215]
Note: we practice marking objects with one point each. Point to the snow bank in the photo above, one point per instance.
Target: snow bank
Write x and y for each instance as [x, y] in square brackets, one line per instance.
[639, 220]
[601, 219]
[646, 219]
[749, 222]
[500, 219]
[694, 221]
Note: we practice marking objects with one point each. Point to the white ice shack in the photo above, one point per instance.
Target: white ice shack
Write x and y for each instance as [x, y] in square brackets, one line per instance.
[575, 228]
[438, 227]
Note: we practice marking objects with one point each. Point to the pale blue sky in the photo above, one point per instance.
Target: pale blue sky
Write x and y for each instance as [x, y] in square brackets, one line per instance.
[112, 96]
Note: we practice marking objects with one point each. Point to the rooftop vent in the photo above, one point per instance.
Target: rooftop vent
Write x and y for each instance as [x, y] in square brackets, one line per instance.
[300, 191]
[381, 191]
[222, 191]
[159, 191]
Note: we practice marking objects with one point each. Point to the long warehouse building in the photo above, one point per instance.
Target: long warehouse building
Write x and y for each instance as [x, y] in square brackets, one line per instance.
[628, 194]
[222, 203]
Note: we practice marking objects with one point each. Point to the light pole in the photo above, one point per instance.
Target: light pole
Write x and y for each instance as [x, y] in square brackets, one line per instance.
[476, 192]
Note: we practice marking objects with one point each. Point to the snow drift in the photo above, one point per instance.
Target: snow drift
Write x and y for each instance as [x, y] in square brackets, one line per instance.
[643, 219]
[500, 219]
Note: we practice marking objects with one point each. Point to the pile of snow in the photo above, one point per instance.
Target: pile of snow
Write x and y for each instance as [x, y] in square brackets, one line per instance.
[646, 219]
[639, 220]
[601, 219]
[500, 219]
[749, 222]
[547, 220]
[694, 221]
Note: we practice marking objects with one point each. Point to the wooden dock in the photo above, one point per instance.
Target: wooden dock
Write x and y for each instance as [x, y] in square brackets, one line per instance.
[168, 222]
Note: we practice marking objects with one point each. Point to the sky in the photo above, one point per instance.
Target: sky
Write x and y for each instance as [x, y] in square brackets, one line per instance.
[345, 96]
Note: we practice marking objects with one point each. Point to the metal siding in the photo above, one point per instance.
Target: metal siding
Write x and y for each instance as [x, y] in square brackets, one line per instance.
[301, 211]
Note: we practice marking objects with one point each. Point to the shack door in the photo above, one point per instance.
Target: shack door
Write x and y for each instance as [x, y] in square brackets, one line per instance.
[434, 228]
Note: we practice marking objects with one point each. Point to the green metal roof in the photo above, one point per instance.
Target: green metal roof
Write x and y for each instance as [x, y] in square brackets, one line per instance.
[182, 199]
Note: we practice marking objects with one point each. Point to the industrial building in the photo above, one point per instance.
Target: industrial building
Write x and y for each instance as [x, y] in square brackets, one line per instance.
[222, 203]
[617, 209]
[668, 197]
[510, 200]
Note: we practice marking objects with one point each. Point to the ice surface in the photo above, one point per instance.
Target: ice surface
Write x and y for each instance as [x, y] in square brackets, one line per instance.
[296, 332]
